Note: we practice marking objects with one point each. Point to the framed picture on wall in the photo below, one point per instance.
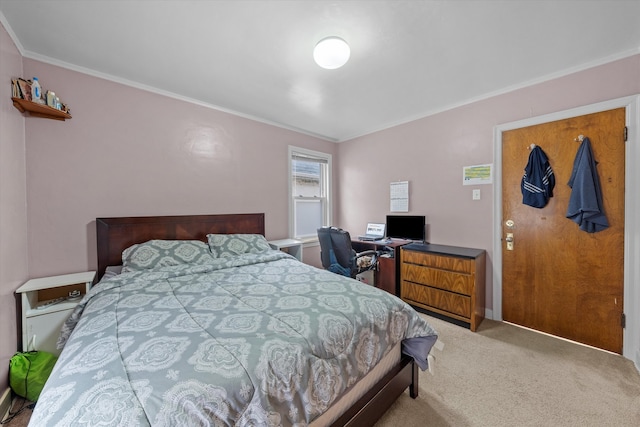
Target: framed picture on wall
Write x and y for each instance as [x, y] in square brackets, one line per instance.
[477, 174]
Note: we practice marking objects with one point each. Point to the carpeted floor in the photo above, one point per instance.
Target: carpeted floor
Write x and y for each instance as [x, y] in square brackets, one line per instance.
[503, 375]
[21, 417]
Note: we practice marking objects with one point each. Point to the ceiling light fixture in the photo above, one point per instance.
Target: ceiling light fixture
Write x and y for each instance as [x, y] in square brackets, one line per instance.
[331, 53]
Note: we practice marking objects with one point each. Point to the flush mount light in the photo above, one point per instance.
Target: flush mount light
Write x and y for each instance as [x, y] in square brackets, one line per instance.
[331, 53]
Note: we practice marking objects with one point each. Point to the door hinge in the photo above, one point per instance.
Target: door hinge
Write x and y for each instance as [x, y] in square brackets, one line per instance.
[623, 321]
[626, 133]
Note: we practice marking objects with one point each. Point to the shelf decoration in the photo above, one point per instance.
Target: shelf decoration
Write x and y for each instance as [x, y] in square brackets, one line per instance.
[21, 97]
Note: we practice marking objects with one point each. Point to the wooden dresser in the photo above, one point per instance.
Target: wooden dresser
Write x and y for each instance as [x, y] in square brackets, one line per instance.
[447, 280]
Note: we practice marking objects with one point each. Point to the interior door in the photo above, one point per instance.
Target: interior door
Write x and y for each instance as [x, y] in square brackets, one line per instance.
[556, 278]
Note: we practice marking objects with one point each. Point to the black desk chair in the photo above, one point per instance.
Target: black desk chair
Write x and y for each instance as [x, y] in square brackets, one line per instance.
[339, 257]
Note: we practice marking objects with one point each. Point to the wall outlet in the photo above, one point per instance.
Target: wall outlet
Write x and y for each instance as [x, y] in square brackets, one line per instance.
[476, 194]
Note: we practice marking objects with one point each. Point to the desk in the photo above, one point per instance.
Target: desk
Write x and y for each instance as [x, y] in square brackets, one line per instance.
[387, 276]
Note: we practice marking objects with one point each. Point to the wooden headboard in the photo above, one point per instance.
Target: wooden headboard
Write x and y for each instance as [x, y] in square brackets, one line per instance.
[116, 234]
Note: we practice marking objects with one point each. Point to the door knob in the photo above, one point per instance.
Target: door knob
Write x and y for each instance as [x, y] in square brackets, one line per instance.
[509, 240]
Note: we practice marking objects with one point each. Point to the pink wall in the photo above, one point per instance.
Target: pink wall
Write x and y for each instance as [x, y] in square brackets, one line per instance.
[129, 152]
[13, 203]
[430, 153]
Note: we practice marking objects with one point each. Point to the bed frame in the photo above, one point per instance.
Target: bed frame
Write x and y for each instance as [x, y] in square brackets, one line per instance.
[116, 234]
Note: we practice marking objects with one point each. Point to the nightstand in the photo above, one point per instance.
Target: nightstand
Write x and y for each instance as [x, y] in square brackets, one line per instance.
[291, 246]
[42, 319]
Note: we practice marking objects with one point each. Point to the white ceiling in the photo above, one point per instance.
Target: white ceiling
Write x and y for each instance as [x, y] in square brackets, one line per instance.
[409, 59]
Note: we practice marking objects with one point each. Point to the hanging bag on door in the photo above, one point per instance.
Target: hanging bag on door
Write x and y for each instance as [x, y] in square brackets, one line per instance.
[29, 371]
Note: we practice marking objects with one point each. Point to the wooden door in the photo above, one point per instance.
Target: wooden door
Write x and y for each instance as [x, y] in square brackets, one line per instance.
[558, 279]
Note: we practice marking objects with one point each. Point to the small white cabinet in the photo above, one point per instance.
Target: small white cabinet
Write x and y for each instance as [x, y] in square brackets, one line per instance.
[41, 321]
[291, 246]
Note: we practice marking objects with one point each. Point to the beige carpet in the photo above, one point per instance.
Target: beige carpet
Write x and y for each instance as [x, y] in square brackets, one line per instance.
[504, 375]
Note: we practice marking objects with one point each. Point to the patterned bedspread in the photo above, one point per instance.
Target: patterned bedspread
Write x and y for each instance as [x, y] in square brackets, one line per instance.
[259, 339]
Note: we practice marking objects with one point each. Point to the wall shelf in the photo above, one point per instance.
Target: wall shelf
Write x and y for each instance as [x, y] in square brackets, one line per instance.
[39, 110]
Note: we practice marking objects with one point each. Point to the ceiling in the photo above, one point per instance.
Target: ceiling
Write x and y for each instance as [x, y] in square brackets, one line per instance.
[409, 59]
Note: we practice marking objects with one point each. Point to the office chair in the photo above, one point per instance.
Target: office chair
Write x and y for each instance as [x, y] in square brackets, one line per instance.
[337, 254]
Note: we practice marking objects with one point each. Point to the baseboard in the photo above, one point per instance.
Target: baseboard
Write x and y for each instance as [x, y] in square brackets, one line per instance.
[5, 403]
[488, 314]
[638, 360]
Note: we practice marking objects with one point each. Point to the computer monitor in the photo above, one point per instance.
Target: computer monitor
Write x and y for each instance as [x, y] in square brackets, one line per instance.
[410, 227]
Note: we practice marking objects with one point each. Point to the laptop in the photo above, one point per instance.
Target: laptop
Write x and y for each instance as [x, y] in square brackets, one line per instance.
[375, 231]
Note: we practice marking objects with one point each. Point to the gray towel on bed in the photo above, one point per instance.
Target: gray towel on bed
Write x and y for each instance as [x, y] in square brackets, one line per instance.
[585, 202]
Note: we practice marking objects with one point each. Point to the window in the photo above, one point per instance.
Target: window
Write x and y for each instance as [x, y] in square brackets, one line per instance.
[309, 184]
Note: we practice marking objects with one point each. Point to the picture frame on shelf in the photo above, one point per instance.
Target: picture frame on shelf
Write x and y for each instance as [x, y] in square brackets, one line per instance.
[15, 89]
[25, 89]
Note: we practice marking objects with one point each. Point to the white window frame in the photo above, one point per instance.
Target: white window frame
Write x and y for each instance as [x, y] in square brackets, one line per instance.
[326, 187]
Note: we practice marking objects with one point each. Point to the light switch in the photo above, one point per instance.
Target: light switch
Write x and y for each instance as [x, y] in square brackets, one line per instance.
[476, 194]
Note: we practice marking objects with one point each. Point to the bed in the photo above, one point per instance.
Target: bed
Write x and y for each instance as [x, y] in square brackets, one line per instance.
[244, 335]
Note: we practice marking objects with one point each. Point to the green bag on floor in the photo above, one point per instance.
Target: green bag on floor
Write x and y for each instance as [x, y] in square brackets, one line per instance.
[29, 371]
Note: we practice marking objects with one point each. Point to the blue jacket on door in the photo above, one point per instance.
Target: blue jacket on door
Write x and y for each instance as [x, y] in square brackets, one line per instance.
[538, 180]
[585, 202]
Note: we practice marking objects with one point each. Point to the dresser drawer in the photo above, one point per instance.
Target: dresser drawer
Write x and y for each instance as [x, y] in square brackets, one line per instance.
[426, 297]
[448, 280]
[460, 265]
[461, 283]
